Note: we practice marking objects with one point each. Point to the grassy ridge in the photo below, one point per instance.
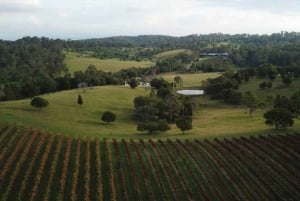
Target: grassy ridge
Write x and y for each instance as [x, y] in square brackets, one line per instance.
[171, 53]
[76, 63]
[190, 80]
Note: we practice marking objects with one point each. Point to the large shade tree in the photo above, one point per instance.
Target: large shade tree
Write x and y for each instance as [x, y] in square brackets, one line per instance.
[279, 117]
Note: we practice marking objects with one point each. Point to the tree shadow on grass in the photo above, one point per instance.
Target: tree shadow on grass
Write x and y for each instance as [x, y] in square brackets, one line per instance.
[27, 109]
[95, 123]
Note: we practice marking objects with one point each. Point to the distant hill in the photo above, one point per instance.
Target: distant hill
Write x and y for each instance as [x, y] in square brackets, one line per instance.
[188, 41]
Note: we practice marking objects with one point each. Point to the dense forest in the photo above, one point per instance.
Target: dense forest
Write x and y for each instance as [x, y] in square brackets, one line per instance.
[31, 65]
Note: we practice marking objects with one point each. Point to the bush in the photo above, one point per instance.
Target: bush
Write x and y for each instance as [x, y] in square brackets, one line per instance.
[133, 83]
[108, 116]
[39, 102]
[152, 126]
[184, 123]
[264, 85]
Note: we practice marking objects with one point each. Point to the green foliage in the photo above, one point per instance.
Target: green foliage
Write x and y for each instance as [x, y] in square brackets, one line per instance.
[217, 86]
[210, 65]
[232, 96]
[170, 107]
[153, 126]
[178, 80]
[251, 102]
[264, 85]
[279, 117]
[287, 80]
[184, 123]
[133, 83]
[79, 100]
[32, 63]
[39, 102]
[143, 100]
[284, 111]
[291, 104]
[108, 116]
[146, 113]
[158, 83]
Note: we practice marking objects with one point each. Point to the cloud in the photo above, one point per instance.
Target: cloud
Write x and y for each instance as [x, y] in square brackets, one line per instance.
[284, 6]
[8, 6]
[99, 18]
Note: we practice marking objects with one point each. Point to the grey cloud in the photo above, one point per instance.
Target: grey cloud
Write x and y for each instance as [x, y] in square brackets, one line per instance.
[265, 5]
[7, 7]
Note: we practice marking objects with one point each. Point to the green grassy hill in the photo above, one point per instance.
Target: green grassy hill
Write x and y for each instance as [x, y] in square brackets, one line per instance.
[212, 118]
[171, 53]
[190, 80]
[76, 63]
[277, 87]
[65, 115]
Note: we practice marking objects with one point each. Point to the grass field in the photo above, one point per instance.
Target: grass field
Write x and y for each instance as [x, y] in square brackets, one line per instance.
[212, 118]
[76, 63]
[190, 80]
[37, 165]
[171, 53]
[277, 87]
[63, 115]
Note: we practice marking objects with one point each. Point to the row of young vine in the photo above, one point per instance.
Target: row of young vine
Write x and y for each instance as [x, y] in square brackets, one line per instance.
[42, 166]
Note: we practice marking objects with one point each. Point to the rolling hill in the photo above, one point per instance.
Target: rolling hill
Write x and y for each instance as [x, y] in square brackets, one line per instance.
[211, 118]
[75, 62]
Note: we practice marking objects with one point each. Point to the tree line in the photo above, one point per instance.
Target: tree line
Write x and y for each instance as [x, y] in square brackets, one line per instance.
[32, 66]
[29, 66]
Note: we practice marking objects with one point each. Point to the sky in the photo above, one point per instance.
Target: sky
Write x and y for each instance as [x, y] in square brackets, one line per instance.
[81, 19]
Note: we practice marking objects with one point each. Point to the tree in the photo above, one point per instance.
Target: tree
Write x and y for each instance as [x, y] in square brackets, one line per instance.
[108, 116]
[79, 100]
[39, 102]
[251, 102]
[296, 104]
[178, 80]
[29, 89]
[279, 117]
[152, 126]
[133, 83]
[290, 104]
[287, 80]
[264, 85]
[184, 123]
[158, 83]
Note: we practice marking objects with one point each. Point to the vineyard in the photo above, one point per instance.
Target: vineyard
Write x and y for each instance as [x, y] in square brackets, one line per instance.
[35, 165]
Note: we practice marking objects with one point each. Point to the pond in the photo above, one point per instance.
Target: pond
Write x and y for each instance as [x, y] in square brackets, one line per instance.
[188, 92]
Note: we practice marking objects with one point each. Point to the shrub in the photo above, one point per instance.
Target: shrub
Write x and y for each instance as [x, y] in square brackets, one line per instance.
[152, 126]
[133, 83]
[184, 123]
[108, 116]
[39, 102]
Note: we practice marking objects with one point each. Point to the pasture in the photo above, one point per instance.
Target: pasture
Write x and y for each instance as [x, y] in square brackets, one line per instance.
[211, 118]
[75, 62]
[64, 115]
[171, 53]
[190, 80]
